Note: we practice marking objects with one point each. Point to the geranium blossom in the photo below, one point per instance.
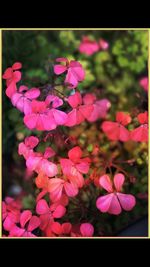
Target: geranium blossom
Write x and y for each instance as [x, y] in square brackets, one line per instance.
[39, 162]
[43, 117]
[75, 71]
[28, 224]
[10, 212]
[48, 214]
[75, 166]
[114, 201]
[116, 130]
[57, 186]
[88, 46]
[23, 97]
[26, 148]
[100, 107]
[12, 76]
[80, 112]
[140, 134]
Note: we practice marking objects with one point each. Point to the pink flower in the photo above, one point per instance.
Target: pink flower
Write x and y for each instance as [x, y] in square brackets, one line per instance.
[100, 107]
[12, 76]
[140, 134]
[103, 44]
[116, 130]
[75, 71]
[57, 186]
[79, 112]
[26, 148]
[75, 166]
[39, 118]
[10, 212]
[39, 163]
[44, 118]
[88, 47]
[28, 224]
[48, 213]
[22, 99]
[59, 117]
[144, 83]
[115, 201]
[83, 230]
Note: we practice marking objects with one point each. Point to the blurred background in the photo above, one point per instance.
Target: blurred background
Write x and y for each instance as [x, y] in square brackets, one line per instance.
[114, 73]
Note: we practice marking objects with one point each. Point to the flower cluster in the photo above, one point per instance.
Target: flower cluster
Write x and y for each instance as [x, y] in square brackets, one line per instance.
[118, 131]
[60, 180]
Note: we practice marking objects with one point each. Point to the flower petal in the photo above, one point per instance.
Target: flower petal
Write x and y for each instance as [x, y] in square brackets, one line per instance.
[42, 207]
[127, 201]
[87, 229]
[106, 183]
[119, 181]
[25, 217]
[75, 154]
[59, 211]
[33, 223]
[103, 203]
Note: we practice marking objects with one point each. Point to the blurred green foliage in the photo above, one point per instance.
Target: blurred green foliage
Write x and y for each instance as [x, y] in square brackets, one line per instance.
[115, 73]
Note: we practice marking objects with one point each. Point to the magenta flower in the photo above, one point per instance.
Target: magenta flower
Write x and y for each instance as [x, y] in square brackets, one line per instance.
[57, 186]
[48, 214]
[39, 163]
[115, 201]
[10, 213]
[43, 117]
[54, 102]
[100, 107]
[26, 148]
[28, 224]
[22, 99]
[75, 71]
[88, 47]
[80, 112]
